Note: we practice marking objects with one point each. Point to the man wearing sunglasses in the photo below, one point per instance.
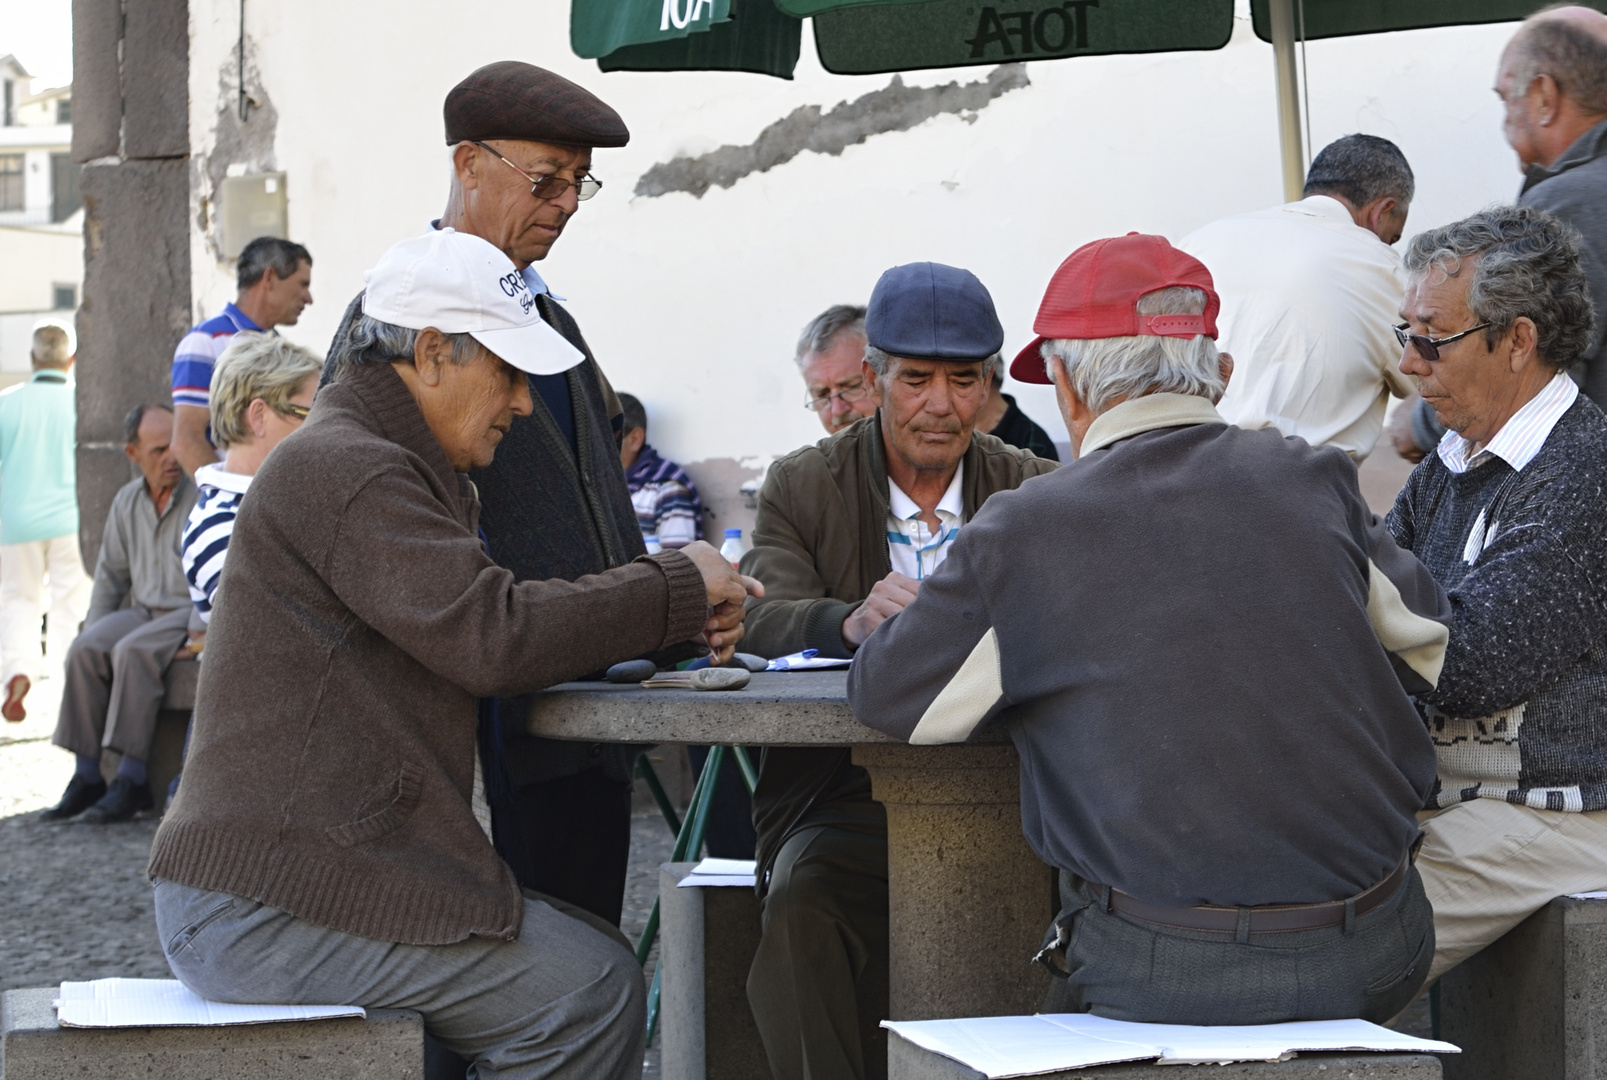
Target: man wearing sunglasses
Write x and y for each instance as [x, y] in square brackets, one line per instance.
[1509, 513]
[553, 502]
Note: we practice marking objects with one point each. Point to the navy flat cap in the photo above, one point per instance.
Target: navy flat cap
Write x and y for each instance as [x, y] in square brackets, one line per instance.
[928, 311]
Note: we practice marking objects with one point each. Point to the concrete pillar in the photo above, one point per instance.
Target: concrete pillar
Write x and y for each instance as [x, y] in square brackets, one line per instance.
[131, 131]
[706, 947]
[969, 901]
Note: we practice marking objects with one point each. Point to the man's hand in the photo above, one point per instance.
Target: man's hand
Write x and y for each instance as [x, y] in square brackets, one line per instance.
[728, 590]
[1400, 431]
[891, 595]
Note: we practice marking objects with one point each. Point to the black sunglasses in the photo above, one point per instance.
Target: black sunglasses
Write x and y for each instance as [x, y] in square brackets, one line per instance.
[1429, 348]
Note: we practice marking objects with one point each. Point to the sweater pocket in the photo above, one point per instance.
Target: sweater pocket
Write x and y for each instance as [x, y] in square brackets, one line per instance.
[365, 830]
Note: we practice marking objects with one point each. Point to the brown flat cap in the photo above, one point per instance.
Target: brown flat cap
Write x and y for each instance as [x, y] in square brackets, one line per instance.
[514, 100]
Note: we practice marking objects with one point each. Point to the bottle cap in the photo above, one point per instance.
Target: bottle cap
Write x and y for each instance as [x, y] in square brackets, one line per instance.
[729, 533]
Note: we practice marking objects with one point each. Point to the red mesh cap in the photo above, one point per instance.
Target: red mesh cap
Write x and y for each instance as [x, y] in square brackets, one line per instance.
[1095, 294]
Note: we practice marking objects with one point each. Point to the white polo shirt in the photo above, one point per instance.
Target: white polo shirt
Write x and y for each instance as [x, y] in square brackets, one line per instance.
[1308, 299]
[914, 549]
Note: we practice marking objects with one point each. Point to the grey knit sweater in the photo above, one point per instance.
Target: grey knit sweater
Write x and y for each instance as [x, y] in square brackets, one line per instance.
[1520, 711]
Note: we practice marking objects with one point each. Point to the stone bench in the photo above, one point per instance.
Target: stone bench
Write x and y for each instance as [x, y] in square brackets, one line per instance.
[906, 1061]
[1534, 1004]
[707, 939]
[167, 745]
[388, 1045]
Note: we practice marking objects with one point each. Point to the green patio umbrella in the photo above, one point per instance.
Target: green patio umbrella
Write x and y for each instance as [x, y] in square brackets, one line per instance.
[757, 37]
[602, 27]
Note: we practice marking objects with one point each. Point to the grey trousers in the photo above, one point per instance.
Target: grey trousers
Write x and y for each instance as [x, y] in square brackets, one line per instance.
[563, 1000]
[1128, 969]
[113, 688]
[818, 985]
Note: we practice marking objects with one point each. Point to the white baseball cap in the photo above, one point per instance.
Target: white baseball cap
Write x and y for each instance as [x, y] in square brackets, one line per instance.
[461, 284]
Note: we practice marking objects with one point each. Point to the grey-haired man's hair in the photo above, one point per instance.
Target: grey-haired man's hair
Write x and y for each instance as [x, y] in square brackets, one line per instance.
[1521, 261]
[1570, 54]
[268, 251]
[375, 342]
[52, 347]
[1361, 168]
[823, 329]
[136, 417]
[878, 361]
[1105, 370]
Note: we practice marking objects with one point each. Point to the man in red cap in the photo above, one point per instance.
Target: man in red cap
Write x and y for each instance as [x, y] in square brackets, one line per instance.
[1201, 642]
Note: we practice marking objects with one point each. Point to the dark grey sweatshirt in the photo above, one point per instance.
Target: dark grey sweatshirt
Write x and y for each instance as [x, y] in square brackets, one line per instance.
[1198, 638]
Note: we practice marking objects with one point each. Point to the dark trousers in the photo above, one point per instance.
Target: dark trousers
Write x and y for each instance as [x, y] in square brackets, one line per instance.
[569, 837]
[1127, 969]
[818, 985]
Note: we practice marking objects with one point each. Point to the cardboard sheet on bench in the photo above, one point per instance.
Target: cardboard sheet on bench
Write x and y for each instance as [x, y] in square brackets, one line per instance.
[713, 872]
[166, 1003]
[1003, 1046]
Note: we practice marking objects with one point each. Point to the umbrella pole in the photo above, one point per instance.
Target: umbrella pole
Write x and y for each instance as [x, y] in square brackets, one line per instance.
[1282, 17]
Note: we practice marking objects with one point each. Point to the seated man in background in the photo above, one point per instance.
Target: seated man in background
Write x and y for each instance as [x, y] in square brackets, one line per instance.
[846, 531]
[830, 356]
[1197, 636]
[666, 500]
[1510, 515]
[113, 681]
[1002, 418]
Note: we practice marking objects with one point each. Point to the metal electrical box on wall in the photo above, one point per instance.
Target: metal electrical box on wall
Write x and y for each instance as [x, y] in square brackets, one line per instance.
[251, 206]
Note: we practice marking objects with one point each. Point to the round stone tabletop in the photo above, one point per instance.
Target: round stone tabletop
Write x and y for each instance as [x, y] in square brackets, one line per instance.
[776, 708]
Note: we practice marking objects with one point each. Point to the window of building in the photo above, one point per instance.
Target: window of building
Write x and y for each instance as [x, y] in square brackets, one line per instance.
[64, 110]
[9, 104]
[65, 198]
[66, 297]
[11, 197]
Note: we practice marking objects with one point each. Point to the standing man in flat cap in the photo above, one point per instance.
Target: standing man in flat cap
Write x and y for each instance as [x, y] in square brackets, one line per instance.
[847, 530]
[554, 502]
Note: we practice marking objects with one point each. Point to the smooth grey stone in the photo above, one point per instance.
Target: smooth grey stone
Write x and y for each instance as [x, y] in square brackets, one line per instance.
[720, 678]
[631, 671]
[749, 661]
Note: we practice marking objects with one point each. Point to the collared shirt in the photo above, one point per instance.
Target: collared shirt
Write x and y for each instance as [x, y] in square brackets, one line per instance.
[1521, 437]
[1308, 298]
[38, 471]
[206, 534]
[198, 354]
[139, 551]
[915, 550]
[666, 500]
[1148, 413]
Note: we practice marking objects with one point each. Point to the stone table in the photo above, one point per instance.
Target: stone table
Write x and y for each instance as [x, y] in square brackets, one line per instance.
[968, 900]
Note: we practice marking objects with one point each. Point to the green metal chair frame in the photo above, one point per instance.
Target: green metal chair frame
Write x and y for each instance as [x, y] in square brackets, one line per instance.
[688, 842]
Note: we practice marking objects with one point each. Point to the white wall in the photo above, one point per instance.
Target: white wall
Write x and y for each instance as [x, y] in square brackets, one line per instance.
[694, 304]
[32, 261]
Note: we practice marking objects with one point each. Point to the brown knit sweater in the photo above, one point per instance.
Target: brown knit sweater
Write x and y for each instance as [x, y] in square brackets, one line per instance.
[332, 761]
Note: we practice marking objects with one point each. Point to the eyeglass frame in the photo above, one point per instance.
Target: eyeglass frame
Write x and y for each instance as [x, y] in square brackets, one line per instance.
[291, 409]
[582, 193]
[821, 404]
[1429, 348]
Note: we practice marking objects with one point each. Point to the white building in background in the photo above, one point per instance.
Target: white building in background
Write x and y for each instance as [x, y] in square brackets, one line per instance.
[693, 301]
[41, 218]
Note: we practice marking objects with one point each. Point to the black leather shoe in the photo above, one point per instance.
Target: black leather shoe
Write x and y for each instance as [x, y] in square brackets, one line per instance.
[80, 795]
[122, 801]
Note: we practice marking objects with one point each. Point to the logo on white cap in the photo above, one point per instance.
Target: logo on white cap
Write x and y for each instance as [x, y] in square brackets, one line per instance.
[461, 284]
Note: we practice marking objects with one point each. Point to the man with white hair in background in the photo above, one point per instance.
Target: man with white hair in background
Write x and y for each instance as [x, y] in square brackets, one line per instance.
[1197, 637]
[1309, 291]
[830, 349]
[39, 517]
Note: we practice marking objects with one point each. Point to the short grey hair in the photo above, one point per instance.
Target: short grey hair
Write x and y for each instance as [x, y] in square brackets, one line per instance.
[1104, 370]
[1361, 168]
[283, 257]
[823, 329]
[52, 345]
[374, 342]
[255, 366]
[1521, 261]
[877, 359]
[1569, 53]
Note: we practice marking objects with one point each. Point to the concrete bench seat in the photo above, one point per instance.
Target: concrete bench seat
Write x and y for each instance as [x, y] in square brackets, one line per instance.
[906, 1061]
[388, 1045]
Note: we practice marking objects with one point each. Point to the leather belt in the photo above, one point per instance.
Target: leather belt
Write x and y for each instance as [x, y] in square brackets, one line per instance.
[1266, 919]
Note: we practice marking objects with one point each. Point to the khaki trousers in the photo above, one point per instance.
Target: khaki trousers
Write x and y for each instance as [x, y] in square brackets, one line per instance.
[35, 576]
[113, 689]
[1487, 865]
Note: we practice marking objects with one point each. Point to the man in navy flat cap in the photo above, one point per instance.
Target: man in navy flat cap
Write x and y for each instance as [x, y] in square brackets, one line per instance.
[846, 531]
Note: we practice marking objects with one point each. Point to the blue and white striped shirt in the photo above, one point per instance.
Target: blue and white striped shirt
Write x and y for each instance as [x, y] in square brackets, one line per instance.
[198, 354]
[206, 535]
[914, 549]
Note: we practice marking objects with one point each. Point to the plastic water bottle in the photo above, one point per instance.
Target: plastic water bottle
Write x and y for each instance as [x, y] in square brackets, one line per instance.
[653, 546]
[733, 548]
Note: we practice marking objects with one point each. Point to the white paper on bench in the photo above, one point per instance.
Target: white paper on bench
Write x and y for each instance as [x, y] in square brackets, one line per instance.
[166, 1003]
[714, 872]
[1004, 1046]
[1587, 896]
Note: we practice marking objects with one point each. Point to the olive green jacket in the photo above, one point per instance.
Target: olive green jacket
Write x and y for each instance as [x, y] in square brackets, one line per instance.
[819, 546]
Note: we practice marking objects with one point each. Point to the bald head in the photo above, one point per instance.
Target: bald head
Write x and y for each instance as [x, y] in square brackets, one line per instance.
[1553, 81]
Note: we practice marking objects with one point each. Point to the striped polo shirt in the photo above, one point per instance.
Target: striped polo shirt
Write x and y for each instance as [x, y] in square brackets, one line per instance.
[206, 536]
[198, 354]
[915, 550]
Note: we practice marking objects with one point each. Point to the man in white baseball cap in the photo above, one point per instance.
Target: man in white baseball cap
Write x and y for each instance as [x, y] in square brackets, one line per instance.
[332, 840]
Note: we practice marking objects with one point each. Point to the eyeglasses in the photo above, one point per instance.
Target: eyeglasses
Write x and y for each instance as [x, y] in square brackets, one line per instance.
[848, 395]
[1429, 348]
[298, 412]
[547, 188]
